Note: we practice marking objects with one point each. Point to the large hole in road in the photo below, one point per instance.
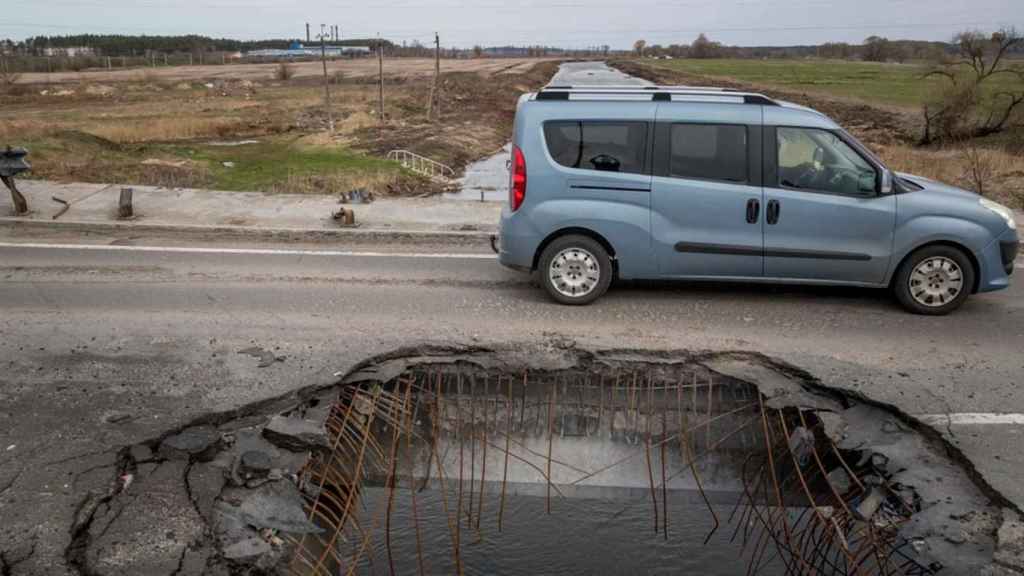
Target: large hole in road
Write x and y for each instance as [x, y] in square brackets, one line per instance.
[561, 461]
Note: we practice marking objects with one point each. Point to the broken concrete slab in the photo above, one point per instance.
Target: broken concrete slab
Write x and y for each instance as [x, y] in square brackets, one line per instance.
[296, 434]
[1010, 542]
[147, 530]
[199, 442]
[205, 483]
[246, 549]
[140, 453]
[256, 463]
[277, 505]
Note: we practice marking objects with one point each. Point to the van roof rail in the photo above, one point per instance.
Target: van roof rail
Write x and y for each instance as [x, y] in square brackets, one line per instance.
[636, 87]
[657, 93]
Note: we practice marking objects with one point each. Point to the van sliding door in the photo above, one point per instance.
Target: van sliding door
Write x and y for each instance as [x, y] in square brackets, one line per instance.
[707, 202]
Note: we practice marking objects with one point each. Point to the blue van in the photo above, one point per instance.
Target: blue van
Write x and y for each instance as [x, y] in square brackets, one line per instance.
[675, 182]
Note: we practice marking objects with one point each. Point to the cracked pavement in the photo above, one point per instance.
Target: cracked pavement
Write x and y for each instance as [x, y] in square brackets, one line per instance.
[101, 350]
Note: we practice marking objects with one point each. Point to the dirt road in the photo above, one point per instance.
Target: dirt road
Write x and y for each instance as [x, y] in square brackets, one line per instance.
[356, 68]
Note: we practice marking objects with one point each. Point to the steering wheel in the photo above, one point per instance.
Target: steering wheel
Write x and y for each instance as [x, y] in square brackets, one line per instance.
[808, 174]
[836, 179]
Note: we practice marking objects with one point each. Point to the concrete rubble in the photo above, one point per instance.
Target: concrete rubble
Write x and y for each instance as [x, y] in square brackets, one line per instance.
[203, 500]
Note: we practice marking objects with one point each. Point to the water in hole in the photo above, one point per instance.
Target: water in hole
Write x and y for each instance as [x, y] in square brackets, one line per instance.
[584, 536]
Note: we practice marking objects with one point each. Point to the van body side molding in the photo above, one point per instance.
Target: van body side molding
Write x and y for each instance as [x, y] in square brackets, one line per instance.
[614, 188]
[691, 247]
[695, 248]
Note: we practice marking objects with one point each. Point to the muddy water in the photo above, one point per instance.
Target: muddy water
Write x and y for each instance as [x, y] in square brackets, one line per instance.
[487, 180]
[605, 446]
[581, 536]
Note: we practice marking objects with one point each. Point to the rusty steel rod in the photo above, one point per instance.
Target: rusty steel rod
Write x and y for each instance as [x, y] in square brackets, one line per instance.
[508, 442]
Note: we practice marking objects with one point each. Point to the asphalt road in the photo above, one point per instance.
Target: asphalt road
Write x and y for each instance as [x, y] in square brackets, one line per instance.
[151, 329]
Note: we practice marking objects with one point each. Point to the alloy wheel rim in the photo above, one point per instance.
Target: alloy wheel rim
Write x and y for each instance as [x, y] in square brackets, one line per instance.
[936, 281]
[574, 272]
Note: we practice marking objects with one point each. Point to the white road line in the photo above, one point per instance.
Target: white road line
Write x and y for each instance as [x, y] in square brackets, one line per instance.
[968, 418]
[247, 251]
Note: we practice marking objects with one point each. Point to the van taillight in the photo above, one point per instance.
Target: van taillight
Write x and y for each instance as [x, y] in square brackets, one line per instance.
[517, 182]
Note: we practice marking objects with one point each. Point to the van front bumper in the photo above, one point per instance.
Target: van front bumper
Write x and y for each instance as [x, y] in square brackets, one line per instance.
[1008, 249]
[997, 261]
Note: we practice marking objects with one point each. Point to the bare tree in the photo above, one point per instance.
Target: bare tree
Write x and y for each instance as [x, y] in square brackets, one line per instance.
[704, 48]
[980, 167]
[7, 76]
[639, 46]
[977, 112]
[877, 49]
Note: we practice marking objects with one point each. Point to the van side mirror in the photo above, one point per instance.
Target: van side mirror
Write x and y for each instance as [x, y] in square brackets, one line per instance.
[886, 184]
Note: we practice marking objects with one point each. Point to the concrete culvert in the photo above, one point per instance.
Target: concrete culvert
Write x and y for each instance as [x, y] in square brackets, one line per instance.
[550, 460]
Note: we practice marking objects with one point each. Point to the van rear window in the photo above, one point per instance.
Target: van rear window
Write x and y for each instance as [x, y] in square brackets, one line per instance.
[601, 146]
[709, 152]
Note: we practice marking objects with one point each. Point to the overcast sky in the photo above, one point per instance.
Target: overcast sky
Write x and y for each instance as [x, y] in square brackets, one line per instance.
[567, 23]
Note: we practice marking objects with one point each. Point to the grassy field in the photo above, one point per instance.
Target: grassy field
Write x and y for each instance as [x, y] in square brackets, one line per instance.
[890, 84]
[262, 135]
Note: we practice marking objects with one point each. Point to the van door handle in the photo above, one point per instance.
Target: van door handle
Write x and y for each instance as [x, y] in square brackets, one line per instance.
[772, 214]
[753, 210]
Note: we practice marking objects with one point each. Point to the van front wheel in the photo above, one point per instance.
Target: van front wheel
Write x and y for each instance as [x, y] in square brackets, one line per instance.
[935, 280]
[575, 270]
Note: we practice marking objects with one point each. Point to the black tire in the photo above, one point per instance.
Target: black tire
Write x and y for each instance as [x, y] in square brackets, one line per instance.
[905, 292]
[597, 256]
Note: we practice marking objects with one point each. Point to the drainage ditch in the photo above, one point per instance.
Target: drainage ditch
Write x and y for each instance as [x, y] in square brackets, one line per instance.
[548, 461]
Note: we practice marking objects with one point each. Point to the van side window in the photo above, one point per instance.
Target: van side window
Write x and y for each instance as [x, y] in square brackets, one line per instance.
[709, 152]
[601, 146]
[819, 160]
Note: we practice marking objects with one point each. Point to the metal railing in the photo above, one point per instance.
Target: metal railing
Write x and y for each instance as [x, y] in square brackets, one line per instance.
[421, 164]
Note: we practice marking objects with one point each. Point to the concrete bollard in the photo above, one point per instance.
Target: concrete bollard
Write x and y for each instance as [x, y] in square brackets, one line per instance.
[124, 204]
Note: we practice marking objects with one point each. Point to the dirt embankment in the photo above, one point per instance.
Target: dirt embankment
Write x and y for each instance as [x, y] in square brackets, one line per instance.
[475, 121]
[269, 134]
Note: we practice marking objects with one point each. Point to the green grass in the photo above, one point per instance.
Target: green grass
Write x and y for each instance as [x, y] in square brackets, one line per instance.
[276, 165]
[890, 84]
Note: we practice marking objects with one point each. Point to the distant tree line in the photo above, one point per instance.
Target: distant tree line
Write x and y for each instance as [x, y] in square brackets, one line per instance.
[124, 45]
[873, 49]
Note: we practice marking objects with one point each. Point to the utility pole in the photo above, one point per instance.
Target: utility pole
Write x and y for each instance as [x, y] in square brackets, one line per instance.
[308, 40]
[327, 84]
[380, 88]
[435, 96]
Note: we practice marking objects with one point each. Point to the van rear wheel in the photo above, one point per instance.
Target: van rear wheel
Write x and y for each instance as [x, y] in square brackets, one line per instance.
[575, 270]
[935, 280]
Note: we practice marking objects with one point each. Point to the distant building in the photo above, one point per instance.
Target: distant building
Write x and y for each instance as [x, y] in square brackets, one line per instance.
[70, 51]
[297, 50]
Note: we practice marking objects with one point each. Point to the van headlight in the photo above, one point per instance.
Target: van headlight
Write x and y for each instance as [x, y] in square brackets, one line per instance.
[1003, 211]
